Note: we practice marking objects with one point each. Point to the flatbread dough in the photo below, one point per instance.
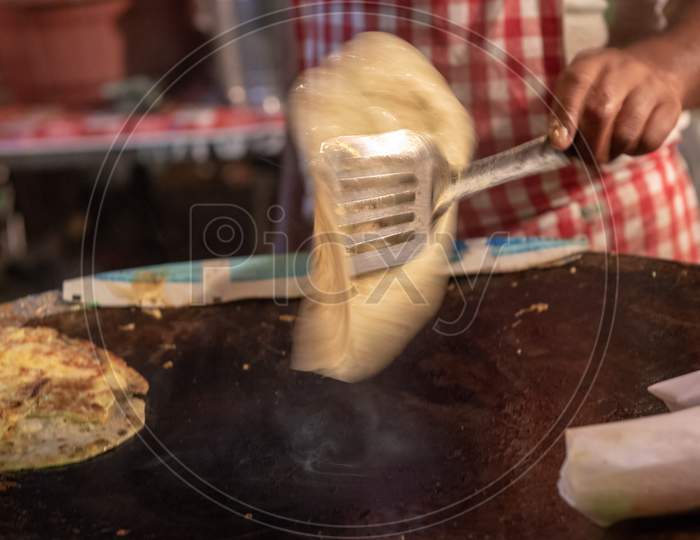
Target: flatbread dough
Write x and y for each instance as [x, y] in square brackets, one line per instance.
[635, 468]
[350, 329]
[63, 400]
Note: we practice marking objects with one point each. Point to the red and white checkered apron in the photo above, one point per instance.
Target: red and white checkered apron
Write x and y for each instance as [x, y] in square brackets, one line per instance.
[500, 56]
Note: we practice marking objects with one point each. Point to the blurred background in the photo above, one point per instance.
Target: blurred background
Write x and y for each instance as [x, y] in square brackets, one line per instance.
[132, 124]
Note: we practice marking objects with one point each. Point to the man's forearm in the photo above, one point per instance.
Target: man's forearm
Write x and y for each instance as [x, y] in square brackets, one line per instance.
[677, 51]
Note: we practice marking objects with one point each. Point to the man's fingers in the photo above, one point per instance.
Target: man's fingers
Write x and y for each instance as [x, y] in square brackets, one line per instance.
[601, 110]
[570, 95]
[658, 127]
[611, 103]
[631, 121]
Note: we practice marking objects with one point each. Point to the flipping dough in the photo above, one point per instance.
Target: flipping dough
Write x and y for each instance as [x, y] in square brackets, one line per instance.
[350, 329]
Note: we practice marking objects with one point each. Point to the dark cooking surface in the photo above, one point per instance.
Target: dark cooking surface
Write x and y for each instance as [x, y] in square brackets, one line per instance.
[454, 417]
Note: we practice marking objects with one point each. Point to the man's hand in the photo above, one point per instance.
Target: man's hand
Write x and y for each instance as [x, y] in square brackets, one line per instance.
[617, 102]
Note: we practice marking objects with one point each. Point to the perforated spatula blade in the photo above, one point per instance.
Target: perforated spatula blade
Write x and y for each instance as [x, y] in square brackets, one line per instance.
[391, 187]
[384, 190]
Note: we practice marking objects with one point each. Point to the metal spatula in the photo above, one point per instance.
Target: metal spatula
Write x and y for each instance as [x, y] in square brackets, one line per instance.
[390, 188]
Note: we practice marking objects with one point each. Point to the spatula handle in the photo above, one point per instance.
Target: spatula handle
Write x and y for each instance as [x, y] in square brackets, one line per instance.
[533, 157]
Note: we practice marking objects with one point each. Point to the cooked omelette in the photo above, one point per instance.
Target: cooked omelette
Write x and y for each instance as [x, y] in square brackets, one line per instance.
[63, 400]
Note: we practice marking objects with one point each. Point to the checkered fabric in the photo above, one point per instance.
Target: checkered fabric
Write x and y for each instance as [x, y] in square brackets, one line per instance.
[500, 57]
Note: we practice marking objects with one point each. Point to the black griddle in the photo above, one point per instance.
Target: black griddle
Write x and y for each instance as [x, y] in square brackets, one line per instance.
[459, 438]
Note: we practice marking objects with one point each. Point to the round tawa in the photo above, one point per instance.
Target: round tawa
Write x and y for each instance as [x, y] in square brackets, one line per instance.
[460, 438]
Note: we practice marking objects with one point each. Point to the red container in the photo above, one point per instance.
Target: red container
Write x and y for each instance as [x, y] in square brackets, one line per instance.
[61, 51]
